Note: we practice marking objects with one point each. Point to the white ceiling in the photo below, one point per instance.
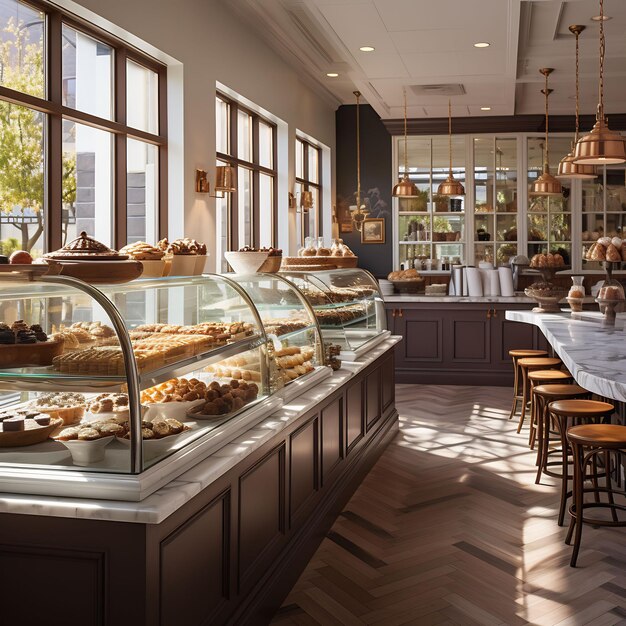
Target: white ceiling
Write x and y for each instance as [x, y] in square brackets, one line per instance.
[426, 42]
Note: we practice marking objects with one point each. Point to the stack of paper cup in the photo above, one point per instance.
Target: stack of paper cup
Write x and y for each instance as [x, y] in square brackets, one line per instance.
[474, 284]
[506, 281]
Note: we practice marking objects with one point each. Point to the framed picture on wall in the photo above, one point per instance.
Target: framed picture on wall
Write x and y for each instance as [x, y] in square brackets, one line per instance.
[373, 230]
[343, 216]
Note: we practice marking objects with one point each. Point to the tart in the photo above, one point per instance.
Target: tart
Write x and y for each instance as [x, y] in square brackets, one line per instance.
[25, 427]
[70, 407]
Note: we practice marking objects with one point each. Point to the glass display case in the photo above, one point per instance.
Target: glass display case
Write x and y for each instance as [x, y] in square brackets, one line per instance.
[348, 306]
[291, 326]
[127, 379]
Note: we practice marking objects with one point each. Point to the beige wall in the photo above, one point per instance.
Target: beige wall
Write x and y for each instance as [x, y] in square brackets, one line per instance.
[203, 42]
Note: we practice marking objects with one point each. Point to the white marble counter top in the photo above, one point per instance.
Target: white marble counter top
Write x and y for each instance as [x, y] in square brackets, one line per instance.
[595, 354]
[398, 297]
[161, 504]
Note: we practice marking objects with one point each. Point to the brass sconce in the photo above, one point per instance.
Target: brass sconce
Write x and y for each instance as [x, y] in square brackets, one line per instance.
[224, 181]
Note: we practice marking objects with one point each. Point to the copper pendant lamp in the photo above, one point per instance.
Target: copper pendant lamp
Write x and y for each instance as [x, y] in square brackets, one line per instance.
[546, 184]
[450, 186]
[568, 169]
[359, 213]
[405, 188]
[601, 146]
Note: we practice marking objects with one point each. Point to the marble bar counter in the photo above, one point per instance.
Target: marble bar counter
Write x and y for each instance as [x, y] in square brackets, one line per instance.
[595, 354]
[422, 298]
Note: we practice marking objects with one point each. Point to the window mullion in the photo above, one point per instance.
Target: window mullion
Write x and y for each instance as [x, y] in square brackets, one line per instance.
[120, 214]
[256, 182]
[234, 206]
[54, 140]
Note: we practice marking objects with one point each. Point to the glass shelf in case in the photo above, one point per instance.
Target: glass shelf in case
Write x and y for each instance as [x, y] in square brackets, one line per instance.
[189, 357]
[348, 306]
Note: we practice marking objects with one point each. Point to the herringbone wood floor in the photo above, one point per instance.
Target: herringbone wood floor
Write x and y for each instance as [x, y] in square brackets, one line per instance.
[449, 528]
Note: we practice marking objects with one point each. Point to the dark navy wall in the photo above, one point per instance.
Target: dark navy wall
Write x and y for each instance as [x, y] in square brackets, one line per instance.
[375, 174]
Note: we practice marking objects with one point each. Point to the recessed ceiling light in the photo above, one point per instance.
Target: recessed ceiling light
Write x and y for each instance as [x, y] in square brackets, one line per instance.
[600, 18]
[367, 48]
[485, 108]
[482, 44]
[332, 74]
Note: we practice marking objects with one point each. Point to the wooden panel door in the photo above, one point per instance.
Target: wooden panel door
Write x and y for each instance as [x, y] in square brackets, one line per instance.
[467, 338]
[303, 467]
[373, 399]
[422, 331]
[355, 423]
[332, 438]
[507, 335]
[196, 556]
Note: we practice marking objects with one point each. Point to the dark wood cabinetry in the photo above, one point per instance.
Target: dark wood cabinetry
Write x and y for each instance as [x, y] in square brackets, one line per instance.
[228, 556]
[458, 343]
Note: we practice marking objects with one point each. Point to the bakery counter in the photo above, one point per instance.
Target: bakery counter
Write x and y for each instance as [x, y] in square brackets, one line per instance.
[458, 340]
[595, 354]
[242, 523]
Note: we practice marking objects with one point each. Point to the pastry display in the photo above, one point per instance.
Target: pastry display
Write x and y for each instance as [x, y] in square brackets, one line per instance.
[222, 399]
[157, 429]
[105, 361]
[611, 249]
[70, 407]
[109, 403]
[142, 251]
[549, 260]
[85, 248]
[23, 345]
[182, 247]
[410, 274]
[339, 316]
[294, 361]
[282, 326]
[25, 427]
[221, 332]
[90, 431]
[610, 292]
[175, 390]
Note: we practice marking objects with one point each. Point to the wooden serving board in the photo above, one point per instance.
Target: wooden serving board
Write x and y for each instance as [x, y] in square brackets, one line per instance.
[32, 434]
[102, 272]
[30, 354]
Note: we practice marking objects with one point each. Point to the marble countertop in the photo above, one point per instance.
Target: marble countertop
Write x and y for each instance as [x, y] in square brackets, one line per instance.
[161, 504]
[595, 354]
[398, 297]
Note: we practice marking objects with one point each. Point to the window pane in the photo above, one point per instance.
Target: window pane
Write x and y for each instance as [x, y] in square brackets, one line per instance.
[313, 213]
[87, 73]
[21, 48]
[299, 159]
[142, 98]
[244, 136]
[266, 145]
[244, 199]
[87, 164]
[222, 126]
[222, 226]
[21, 179]
[266, 210]
[142, 191]
[313, 164]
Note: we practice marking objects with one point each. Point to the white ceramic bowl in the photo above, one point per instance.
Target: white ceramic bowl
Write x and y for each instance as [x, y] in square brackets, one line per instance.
[87, 452]
[175, 410]
[153, 269]
[183, 265]
[156, 447]
[245, 262]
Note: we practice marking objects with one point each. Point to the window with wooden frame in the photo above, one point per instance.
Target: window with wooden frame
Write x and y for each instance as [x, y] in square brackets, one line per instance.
[308, 178]
[83, 127]
[246, 141]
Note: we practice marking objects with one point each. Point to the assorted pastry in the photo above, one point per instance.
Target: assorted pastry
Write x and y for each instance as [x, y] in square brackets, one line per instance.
[21, 333]
[410, 274]
[175, 390]
[142, 251]
[610, 292]
[282, 326]
[611, 249]
[156, 429]
[182, 247]
[241, 367]
[91, 431]
[270, 251]
[549, 260]
[69, 406]
[222, 332]
[339, 316]
[14, 420]
[109, 403]
[105, 361]
[222, 399]
[294, 361]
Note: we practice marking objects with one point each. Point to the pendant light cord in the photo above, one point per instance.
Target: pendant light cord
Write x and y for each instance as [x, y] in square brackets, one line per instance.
[358, 153]
[602, 51]
[450, 134]
[577, 33]
[547, 93]
[406, 166]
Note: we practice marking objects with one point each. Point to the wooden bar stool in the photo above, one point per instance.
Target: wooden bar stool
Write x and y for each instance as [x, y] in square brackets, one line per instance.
[544, 394]
[516, 355]
[566, 413]
[607, 441]
[542, 377]
[529, 364]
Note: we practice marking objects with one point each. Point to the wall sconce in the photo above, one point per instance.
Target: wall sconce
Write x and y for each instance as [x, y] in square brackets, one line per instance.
[306, 201]
[224, 181]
